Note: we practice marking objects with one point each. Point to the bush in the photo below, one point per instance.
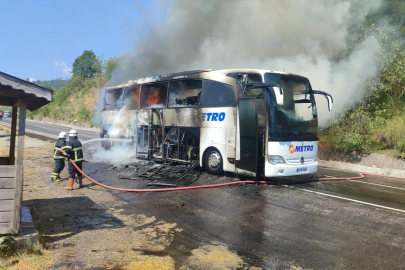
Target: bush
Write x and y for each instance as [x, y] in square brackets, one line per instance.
[85, 114]
[400, 146]
[8, 247]
[353, 142]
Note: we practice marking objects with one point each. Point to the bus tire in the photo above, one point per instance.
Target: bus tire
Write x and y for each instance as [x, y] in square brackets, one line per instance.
[213, 162]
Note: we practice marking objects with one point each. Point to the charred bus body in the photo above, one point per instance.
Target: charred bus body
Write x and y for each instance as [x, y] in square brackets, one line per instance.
[250, 122]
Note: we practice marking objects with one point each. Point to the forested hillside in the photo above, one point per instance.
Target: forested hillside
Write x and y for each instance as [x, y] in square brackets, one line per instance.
[76, 98]
[52, 84]
[377, 123]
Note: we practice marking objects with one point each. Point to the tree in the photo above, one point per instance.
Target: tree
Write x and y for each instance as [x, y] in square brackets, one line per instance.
[86, 65]
[110, 65]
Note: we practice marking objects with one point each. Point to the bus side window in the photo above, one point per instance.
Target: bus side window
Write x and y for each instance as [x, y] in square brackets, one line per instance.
[113, 99]
[216, 94]
[254, 78]
[131, 98]
[153, 95]
[184, 93]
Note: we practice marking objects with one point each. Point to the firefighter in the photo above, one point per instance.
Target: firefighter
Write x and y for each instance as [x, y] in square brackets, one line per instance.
[58, 156]
[74, 151]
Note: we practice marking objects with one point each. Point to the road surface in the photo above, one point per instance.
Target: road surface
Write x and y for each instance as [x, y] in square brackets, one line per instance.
[51, 131]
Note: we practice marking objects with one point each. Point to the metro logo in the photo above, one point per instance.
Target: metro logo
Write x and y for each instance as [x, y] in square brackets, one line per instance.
[302, 148]
[213, 116]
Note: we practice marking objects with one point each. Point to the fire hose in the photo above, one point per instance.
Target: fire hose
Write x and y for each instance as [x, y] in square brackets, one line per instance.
[361, 176]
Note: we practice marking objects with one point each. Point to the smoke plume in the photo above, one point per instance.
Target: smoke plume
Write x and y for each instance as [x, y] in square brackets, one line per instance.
[301, 37]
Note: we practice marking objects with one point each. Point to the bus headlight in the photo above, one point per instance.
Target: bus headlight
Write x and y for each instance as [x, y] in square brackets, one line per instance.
[276, 160]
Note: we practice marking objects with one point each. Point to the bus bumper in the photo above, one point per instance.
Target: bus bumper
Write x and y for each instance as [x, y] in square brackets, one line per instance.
[289, 170]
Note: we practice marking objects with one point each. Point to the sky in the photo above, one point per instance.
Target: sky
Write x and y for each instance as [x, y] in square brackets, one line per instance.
[41, 39]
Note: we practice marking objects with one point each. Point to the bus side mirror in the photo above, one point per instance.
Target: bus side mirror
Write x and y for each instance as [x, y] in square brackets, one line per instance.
[327, 96]
[279, 93]
[330, 102]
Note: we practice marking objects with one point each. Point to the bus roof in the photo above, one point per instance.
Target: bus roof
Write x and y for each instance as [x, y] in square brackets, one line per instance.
[185, 74]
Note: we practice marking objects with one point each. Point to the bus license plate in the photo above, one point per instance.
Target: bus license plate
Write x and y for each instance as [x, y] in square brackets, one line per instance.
[301, 170]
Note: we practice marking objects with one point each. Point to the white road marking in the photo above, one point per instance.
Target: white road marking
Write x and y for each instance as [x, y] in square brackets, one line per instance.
[368, 183]
[351, 200]
[380, 185]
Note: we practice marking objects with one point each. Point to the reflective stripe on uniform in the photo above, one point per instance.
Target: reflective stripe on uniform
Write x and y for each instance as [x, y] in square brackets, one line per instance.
[56, 152]
[75, 151]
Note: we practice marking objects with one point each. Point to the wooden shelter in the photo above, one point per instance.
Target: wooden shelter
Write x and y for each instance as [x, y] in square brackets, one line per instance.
[16, 93]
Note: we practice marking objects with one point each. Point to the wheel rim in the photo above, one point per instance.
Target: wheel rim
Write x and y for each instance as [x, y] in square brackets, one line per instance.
[214, 160]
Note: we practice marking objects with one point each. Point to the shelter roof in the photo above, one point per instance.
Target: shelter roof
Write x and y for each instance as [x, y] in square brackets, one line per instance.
[13, 88]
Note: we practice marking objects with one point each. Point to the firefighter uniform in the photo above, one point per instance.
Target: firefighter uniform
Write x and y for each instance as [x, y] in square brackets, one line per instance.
[58, 156]
[73, 150]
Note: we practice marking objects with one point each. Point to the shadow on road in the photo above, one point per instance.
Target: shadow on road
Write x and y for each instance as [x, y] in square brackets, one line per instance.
[60, 218]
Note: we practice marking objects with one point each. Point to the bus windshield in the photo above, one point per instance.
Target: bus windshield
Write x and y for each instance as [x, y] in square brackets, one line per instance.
[296, 119]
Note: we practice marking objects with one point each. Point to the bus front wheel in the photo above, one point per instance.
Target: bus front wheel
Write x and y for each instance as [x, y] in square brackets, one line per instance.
[213, 162]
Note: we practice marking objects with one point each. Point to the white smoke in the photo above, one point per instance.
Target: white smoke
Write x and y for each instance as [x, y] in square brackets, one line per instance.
[121, 151]
[303, 37]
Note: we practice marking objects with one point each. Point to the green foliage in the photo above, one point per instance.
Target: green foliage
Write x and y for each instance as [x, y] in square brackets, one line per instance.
[400, 146]
[68, 101]
[353, 131]
[52, 84]
[375, 124]
[8, 247]
[85, 114]
[110, 65]
[86, 65]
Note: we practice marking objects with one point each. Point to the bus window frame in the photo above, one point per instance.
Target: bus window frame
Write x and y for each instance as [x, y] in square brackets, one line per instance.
[204, 93]
[185, 106]
[118, 101]
[143, 95]
[128, 94]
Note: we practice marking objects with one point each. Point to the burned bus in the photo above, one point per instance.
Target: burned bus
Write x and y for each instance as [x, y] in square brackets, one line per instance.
[252, 122]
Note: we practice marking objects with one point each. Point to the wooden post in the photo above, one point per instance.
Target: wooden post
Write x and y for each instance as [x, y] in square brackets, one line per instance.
[19, 177]
[13, 135]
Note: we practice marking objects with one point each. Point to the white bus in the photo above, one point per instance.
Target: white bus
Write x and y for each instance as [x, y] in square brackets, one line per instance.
[246, 121]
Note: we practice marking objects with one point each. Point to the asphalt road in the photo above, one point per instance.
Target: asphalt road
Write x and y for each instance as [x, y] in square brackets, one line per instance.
[317, 225]
[356, 224]
[51, 131]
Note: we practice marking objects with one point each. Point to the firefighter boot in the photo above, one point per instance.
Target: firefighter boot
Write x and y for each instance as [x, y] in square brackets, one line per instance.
[70, 184]
[54, 177]
[80, 181]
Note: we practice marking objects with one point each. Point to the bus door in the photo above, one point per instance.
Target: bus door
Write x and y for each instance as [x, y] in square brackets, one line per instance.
[247, 135]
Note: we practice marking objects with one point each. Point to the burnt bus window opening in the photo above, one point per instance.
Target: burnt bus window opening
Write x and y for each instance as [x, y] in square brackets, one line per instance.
[250, 77]
[254, 78]
[184, 93]
[154, 95]
[131, 97]
[113, 99]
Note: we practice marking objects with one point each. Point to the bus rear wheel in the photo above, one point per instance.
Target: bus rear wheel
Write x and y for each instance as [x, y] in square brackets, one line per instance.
[213, 162]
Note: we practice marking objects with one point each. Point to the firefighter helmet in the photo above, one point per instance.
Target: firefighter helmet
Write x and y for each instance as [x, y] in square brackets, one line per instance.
[73, 133]
[62, 135]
